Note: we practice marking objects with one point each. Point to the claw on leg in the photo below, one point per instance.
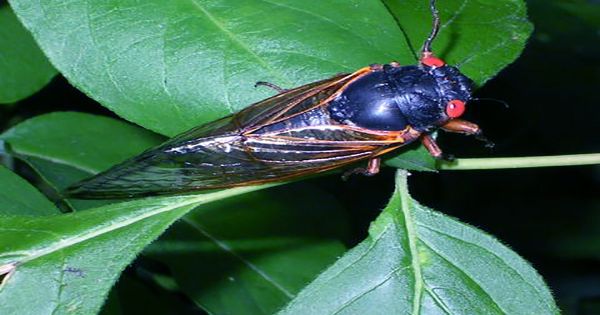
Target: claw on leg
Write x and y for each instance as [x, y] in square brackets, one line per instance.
[467, 128]
[271, 85]
[371, 169]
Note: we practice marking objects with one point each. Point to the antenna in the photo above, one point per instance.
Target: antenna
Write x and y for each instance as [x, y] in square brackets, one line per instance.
[495, 100]
[426, 52]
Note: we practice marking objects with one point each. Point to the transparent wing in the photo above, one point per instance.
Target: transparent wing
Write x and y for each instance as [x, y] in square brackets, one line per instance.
[219, 162]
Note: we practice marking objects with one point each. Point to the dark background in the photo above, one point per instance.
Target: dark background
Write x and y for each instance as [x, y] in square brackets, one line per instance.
[550, 216]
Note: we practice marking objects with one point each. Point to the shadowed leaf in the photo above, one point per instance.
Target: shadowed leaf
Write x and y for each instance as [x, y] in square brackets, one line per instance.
[23, 67]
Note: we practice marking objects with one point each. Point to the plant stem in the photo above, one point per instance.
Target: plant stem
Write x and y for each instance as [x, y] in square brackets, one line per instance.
[521, 162]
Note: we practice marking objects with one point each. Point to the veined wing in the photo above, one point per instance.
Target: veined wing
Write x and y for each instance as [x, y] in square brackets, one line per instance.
[228, 161]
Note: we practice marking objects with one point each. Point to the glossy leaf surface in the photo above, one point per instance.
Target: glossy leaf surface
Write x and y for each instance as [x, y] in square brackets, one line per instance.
[172, 65]
[416, 261]
[18, 197]
[479, 37]
[67, 263]
[23, 67]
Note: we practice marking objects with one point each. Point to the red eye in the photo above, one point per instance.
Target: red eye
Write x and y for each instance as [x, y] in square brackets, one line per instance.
[455, 108]
[431, 61]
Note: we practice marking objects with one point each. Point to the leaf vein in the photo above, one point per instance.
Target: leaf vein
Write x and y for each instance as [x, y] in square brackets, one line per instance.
[493, 254]
[327, 20]
[239, 42]
[370, 289]
[468, 276]
[411, 234]
[437, 300]
[105, 63]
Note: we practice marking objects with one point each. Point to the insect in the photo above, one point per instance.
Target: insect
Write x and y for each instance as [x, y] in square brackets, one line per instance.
[305, 130]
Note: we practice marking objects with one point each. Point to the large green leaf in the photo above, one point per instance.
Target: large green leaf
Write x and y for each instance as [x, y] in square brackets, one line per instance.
[23, 67]
[416, 261]
[67, 263]
[171, 65]
[251, 254]
[20, 198]
[480, 37]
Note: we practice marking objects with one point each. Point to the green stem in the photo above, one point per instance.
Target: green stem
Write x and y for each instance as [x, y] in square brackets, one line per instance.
[521, 162]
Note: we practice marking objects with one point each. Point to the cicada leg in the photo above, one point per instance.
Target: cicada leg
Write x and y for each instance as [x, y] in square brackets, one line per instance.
[371, 169]
[467, 128]
[434, 149]
[271, 85]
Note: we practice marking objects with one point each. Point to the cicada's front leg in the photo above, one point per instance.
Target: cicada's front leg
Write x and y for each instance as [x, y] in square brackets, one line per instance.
[467, 128]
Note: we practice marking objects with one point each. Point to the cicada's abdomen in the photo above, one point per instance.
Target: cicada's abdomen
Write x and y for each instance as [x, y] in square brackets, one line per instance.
[370, 102]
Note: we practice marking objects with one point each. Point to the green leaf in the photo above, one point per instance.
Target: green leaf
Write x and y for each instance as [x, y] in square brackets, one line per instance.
[252, 253]
[20, 198]
[23, 67]
[67, 263]
[416, 261]
[480, 37]
[171, 65]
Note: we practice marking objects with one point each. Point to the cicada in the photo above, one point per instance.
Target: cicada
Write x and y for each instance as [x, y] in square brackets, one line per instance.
[301, 131]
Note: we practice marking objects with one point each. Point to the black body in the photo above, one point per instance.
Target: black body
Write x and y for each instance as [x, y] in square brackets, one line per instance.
[396, 97]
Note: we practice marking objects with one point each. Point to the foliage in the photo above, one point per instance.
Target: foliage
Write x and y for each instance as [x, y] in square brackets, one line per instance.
[23, 66]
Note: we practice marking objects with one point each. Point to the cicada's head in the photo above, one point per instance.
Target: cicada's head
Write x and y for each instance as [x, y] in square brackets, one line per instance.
[430, 94]
[454, 88]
